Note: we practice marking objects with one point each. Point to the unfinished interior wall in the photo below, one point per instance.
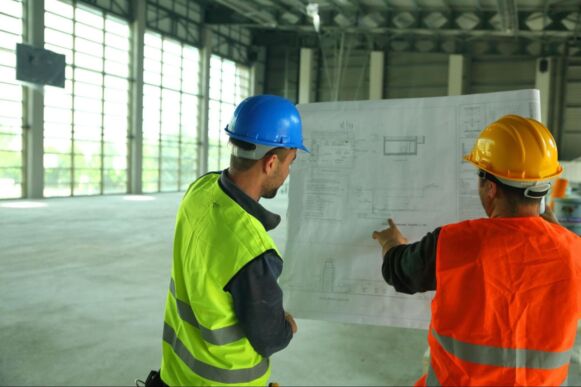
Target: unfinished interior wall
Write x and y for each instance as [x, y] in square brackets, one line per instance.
[498, 73]
[259, 69]
[570, 139]
[414, 75]
[282, 71]
[343, 74]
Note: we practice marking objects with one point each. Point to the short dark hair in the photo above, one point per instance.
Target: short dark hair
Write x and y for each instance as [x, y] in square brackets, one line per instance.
[515, 196]
[242, 164]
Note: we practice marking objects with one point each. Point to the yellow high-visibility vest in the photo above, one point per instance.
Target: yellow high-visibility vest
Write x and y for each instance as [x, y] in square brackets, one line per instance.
[203, 343]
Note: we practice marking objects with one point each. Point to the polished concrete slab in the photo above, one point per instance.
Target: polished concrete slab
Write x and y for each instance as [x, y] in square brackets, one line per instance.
[83, 283]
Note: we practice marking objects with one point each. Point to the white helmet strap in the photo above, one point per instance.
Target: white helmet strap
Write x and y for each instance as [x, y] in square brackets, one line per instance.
[254, 154]
[532, 189]
[537, 191]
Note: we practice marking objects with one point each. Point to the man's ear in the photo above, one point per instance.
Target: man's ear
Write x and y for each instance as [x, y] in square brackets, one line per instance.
[269, 163]
[492, 190]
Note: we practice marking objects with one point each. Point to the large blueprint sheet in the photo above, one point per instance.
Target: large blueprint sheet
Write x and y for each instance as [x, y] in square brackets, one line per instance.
[372, 160]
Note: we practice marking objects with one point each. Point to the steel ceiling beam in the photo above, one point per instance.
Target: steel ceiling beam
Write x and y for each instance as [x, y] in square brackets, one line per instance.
[249, 11]
[424, 31]
[441, 44]
[388, 24]
[297, 5]
[282, 9]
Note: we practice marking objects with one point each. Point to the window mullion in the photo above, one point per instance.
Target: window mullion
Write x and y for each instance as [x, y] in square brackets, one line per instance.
[102, 129]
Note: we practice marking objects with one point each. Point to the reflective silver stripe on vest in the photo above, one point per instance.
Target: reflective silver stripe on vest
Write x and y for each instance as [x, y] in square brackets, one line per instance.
[220, 336]
[503, 357]
[210, 372]
[432, 380]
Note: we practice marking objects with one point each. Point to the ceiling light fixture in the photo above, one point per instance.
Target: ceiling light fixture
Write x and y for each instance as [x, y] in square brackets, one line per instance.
[508, 12]
[313, 12]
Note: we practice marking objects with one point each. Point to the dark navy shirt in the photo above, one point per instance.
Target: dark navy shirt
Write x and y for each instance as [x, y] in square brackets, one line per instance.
[254, 289]
[411, 268]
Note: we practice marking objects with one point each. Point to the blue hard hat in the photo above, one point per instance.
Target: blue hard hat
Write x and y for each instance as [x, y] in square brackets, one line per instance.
[267, 120]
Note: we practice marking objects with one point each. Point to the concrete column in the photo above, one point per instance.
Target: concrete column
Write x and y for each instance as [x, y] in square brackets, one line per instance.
[376, 69]
[258, 70]
[456, 74]
[286, 73]
[34, 119]
[305, 75]
[543, 82]
[136, 129]
[204, 127]
[252, 80]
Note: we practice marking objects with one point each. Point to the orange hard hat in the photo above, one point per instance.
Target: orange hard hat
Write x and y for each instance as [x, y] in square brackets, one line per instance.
[517, 150]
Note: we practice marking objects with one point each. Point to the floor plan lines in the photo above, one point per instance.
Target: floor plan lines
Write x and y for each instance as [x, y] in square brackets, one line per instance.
[402, 145]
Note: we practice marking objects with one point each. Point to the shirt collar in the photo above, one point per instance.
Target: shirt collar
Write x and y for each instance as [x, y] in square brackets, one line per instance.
[268, 219]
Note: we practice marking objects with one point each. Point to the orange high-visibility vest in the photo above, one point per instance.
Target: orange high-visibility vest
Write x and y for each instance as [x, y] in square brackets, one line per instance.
[507, 303]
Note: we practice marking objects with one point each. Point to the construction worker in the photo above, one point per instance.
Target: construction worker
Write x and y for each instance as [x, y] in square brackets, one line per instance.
[508, 290]
[224, 315]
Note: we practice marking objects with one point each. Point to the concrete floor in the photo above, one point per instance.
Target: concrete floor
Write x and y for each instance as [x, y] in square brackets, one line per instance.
[82, 290]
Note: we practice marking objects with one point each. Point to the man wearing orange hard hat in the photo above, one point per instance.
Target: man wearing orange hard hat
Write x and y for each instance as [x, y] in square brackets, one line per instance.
[508, 287]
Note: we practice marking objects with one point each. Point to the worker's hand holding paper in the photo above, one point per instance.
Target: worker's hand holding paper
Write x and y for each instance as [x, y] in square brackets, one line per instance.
[390, 237]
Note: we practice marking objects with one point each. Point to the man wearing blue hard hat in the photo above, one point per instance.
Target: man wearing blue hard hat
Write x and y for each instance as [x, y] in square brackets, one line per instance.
[224, 315]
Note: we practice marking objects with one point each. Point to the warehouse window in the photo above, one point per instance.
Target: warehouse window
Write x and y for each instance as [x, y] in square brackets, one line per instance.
[86, 123]
[229, 84]
[171, 94]
[11, 166]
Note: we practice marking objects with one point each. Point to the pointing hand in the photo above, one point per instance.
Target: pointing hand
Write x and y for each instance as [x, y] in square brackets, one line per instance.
[390, 237]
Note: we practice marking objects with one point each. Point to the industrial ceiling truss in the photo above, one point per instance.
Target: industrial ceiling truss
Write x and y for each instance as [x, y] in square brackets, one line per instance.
[534, 27]
[121, 8]
[165, 18]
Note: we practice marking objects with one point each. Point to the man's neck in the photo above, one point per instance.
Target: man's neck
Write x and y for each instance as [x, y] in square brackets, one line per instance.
[247, 181]
[501, 209]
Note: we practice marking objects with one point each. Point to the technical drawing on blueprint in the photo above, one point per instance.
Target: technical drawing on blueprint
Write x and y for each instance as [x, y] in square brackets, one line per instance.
[371, 160]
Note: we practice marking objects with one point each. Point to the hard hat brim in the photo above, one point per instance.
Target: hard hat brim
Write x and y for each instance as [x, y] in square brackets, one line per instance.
[512, 178]
[289, 145]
